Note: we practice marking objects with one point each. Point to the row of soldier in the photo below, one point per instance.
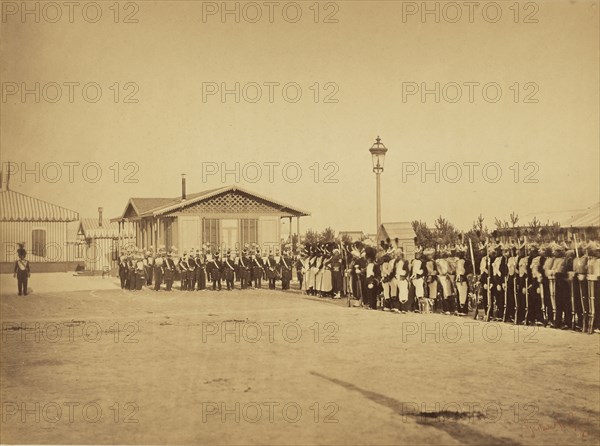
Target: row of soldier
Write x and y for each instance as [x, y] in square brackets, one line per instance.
[553, 285]
[202, 269]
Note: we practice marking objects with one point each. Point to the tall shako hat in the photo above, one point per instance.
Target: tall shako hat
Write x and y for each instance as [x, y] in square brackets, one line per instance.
[21, 252]
[370, 253]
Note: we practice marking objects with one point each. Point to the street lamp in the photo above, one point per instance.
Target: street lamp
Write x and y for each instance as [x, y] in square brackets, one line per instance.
[378, 151]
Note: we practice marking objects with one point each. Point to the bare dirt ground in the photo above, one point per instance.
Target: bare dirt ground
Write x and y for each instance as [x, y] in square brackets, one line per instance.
[268, 367]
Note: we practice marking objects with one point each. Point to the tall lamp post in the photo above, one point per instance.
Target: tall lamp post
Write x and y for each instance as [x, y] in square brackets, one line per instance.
[378, 151]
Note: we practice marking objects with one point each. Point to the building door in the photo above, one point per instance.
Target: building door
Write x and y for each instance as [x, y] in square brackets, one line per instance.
[229, 234]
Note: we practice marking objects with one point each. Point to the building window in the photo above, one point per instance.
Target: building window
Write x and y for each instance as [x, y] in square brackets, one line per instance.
[210, 231]
[38, 242]
[168, 234]
[114, 248]
[249, 230]
[79, 250]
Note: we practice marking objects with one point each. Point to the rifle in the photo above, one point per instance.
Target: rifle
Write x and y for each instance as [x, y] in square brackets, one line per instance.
[526, 291]
[572, 286]
[505, 298]
[476, 276]
[488, 294]
[489, 288]
[515, 288]
[542, 295]
[348, 278]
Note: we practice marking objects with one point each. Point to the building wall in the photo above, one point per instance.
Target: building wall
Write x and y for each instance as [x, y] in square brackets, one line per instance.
[58, 247]
[409, 248]
[187, 231]
[99, 254]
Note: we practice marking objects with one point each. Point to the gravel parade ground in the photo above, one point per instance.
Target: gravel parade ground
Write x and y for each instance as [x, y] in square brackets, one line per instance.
[273, 367]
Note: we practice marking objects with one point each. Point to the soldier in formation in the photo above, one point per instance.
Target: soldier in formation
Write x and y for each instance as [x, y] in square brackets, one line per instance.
[554, 285]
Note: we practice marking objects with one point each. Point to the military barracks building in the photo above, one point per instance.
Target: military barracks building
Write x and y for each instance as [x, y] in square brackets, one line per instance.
[226, 217]
[42, 226]
[101, 241]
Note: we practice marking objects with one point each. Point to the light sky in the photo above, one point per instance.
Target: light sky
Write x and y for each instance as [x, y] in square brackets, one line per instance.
[369, 57]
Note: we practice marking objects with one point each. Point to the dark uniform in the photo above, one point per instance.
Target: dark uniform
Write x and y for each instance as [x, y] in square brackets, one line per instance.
[286, 271]
[183, 271]
[561, 302]
[580, 290]
[22, 273]
[372, 278]
[123, 272]
[431, 279]
[191, 273]
[337, 273]
[245, 265]
[499, 284]
[257, 270]
[299, 271]
[131, 273]
[215, 272]
[149, 268]
[512, 289]
[228, 268]
[169, 268]
[271, 271]
[200, 271]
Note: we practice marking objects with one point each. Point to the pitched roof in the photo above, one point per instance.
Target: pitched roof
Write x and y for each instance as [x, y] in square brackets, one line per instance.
[402, 230]
[15, 206]
[576, 218]
[91, 229]
[585, 218]
[157, 206]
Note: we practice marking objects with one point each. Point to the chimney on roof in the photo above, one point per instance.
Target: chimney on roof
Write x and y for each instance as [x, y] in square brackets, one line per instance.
[183, 196]
[100, 217]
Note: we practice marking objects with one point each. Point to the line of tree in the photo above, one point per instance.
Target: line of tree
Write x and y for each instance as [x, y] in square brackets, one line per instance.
[445, 233]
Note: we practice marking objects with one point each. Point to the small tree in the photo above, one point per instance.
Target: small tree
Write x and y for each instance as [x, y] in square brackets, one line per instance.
[328, 235]
[445, 231]
[424, 235]
[346, 238]
[311, 236]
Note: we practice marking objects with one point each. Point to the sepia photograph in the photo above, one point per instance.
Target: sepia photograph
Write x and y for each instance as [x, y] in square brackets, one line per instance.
[310, 222]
